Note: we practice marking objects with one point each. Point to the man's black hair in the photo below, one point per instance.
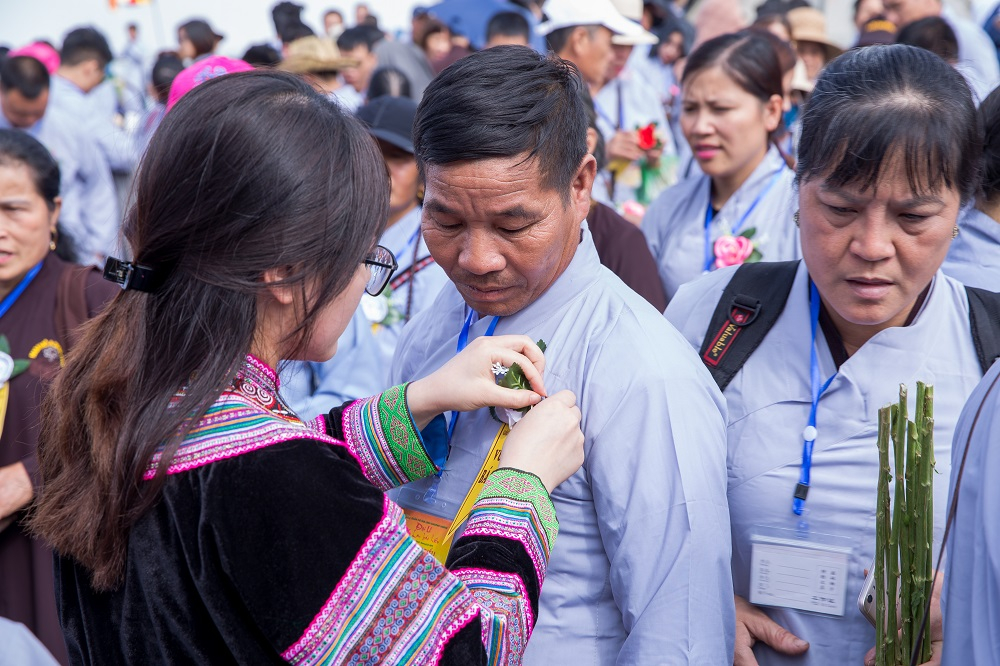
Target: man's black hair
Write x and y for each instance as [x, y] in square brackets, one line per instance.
[504, 102]
[508, 24]
[166, 68]
[85, 44]
[262, 55]
[557, 39]
[294, 31]
[359, 35]
[933, 34]
[24, 74]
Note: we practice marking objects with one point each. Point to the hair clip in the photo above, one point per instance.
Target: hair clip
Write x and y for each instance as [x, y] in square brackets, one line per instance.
[130, 275]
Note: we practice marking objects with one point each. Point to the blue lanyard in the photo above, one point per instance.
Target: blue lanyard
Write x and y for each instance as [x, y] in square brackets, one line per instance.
[463, 342]
[818, 389]
[430, 495]
[12, 297]
[710, 215]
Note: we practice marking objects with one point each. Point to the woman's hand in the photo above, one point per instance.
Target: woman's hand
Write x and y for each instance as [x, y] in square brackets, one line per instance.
[466, 382]
[16, 490]
[752, 625]
[548, 441]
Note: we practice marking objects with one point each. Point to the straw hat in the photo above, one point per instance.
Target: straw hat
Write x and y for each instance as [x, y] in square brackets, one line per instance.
[809, 25]
[314, 54]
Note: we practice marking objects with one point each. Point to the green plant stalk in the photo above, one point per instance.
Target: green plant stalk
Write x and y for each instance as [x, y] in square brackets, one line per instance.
[898, 506]
[927, 489]
[916, 600]
[906, 530]
[882, 540]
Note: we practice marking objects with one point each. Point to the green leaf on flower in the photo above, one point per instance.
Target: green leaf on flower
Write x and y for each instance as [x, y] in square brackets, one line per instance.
[754, 257]
[4, 344]
[748, 233]
[541, 345]
[19, 367]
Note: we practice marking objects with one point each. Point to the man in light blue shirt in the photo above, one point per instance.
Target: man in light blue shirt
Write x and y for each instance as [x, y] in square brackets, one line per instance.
[641, 571]
[80, 92]
[89, 211]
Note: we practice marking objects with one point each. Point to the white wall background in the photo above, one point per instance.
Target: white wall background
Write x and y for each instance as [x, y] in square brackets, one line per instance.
[243, 22]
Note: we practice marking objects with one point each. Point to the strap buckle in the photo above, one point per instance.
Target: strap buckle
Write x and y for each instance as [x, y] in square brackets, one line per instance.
[744, 310]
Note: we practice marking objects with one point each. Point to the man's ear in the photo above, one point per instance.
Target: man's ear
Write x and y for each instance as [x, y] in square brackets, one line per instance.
[582, 184]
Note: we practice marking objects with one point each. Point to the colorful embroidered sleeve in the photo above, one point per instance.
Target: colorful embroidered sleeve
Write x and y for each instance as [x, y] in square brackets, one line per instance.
[381, 434]
[341, 579]
[501, 557]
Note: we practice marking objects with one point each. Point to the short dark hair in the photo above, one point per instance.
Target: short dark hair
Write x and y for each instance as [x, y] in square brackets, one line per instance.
[875, 103]
[989, 116]
[85, 44]
[24, 74]
[503, 102]
[388, 81]
[359, 35]
[293, 31]
[20, 148]
[508, 24]
[588, 105]
[201, 35]
[932, 33]
[747, 57]
[166, 68]
[262, 55]
[557, 39]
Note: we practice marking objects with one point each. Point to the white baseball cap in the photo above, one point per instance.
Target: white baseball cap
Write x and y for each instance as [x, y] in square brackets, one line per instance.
[568, 13]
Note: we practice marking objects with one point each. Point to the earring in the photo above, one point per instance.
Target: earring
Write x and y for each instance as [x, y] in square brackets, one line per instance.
[52, 241]
[796, 218]
[954, 232]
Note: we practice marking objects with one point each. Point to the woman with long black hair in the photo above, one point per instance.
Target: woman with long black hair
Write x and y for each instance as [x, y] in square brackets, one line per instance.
[195, 517]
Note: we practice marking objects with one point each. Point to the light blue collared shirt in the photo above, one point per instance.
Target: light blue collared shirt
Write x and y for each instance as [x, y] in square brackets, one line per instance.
[95, 111]
[675, 223]
[640, 570]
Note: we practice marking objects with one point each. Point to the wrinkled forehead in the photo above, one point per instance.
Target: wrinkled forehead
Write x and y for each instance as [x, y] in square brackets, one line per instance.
[489, 188]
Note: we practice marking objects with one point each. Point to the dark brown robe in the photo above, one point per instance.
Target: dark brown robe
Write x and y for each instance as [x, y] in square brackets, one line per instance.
[622, 248]
[36, 326]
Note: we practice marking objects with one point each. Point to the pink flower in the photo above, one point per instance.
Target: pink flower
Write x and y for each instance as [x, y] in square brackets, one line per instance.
[732, 250]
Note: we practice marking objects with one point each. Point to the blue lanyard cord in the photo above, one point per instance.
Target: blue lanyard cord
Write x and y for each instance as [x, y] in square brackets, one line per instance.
[710, 215]
[818, 389]
[463, 342]
[12, 297]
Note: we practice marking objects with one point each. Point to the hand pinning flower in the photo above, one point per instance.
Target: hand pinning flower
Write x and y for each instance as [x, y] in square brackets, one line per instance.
[512, 378]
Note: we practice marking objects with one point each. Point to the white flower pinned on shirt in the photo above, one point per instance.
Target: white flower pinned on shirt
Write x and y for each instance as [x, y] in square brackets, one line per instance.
[513, 378]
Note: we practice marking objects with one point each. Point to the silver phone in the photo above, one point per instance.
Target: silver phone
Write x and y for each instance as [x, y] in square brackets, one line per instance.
[866, 600]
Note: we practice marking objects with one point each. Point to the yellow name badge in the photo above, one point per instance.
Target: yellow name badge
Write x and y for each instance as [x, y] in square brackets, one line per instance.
[435, 533]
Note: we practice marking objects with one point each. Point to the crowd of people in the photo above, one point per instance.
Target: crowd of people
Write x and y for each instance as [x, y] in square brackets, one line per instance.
[547, 331]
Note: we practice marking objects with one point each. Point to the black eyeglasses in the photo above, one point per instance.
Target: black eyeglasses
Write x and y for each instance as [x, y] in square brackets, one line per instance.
[382, 265]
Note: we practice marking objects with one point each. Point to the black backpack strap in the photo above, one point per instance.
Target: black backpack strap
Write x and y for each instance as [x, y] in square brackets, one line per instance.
[984, 318]
[748, 308]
